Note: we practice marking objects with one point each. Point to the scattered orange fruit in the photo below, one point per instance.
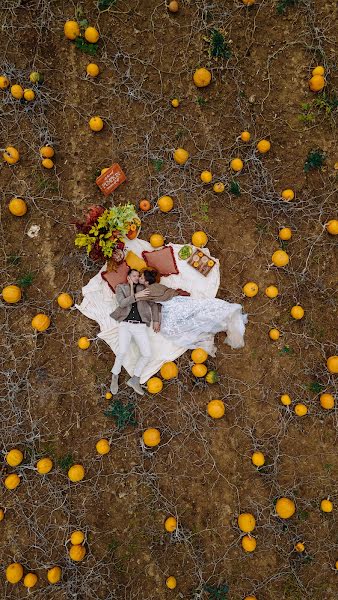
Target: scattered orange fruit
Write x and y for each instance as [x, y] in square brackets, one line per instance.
[170, 524]
[300, 410]
[202, 77]
[175, 102]
[271, 291]
[156, 240]
[332, 364]
[199, 239]
[250, 289]
[92, 69]
[91, 35]
[218, 187]
[165, 204]
[180, 156]
[288, 194]
[236, 164]
[199, 370]
[274, 334]
[280, 258]
[263, 146]
[151, 437]
[285, 234]
[327, 401]
[71, 30]
[216, 409]
[317, 83]
[206, 176]
[245, 136]
[297, 312]
[96, 123]
[332, 226]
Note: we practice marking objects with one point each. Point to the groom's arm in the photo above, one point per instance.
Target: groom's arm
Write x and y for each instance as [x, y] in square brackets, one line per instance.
[123, 300]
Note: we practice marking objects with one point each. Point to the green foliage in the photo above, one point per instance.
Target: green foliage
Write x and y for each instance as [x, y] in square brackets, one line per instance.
[286, 350]
[218, 48]
[315, 160]
[104, 4]
[326, 102]
[124, 414]
[282, 5]
[113, 545]
[203, 211]
[316, 387]
[306, 116]
[26, 280]
[217, 592]
[14, 260]
[303, 515]
[234, 188]
[46, 184]
[86, 47]
[65, 462]
[201, 101]
[157, 164]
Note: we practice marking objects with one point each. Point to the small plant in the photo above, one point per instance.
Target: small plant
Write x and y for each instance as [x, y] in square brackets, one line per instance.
[201, 101]
[286, 350]
[315, 160]
[234, 188]
[218, 48]
[26, 280]
[104, 4]
[303, 515]
[326, 102]
[282, 5]
[86, 47]
[124, 414]
[306, 116]
[113, 545]
[157, 164]
[46, 184]
[316, 387]
[65, 462]
[14, 260]
[217, 592]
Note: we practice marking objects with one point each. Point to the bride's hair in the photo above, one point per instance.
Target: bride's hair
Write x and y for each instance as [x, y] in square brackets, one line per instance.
[150, 276]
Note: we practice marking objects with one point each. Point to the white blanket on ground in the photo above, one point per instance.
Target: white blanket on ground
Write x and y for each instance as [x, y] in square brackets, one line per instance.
[99, 301]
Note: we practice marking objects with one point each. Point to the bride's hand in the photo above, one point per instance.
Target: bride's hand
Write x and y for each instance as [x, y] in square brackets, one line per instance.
[142, 294]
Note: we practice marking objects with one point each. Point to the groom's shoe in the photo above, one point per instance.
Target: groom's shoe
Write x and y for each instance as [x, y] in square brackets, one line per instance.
[134, 382]
[114, 386]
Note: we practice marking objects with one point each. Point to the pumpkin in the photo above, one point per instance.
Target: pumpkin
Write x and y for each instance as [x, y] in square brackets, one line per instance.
[92, 35]
[248, 543]
[299, 547]
[285, 399]
[83, 343]
[288, 195]
[175, 102]
[297, 312]
[12, 481]
[44, 465]
[180, 156]
[2, 514]
[326, 401]
[40, 322]
[250, 289]
[332, 364]
[318, 71]
[17, 91]
[169, 370]
[108, 395]
[11, 294]
[96, 123]
[300, 410]
[271, 291]
[285, 508]
[173, 8]
[47, 163]
[71, 30]
[216, 409]
[199, 239]
[170, 524]
[246, 522]
[250, 598]
[14, 457]
[11, 155]
[77, 552]
[14, 573]
[156, 240]
[218, 187]
[104, 170]
[263, 146]
[326, 506]
[199, 356]
[47, 152]
[202, 77]
[332, 226]
[151, 437]
[317, 83]
[199, 370]
[30, 580]
[258, 459]
[92, 69]
[54, 575]
[212, 377]
[285, 234]
[102, 447]
[236, 164]
[245, 136]
[65, 301]
[206, 176]
[36, 77]
[171, 582]
[280, 258]
[145, 205]
[28, 95]
[248, 2]
[154, 385]
[4, 82]
[76, 473]
[274, 334]
[76, 538]
[165, 204]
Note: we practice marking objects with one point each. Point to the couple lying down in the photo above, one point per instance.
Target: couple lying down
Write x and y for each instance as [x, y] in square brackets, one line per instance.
[188, 322]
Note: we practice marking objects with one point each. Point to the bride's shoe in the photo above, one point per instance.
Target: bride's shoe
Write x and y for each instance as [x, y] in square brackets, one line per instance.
[114, 386]
[134, 382]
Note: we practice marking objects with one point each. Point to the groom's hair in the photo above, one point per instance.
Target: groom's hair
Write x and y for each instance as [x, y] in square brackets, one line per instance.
[130, 270]
[150, 276]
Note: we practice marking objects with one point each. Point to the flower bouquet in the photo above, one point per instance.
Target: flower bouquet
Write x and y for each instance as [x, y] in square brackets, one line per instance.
[103, 230]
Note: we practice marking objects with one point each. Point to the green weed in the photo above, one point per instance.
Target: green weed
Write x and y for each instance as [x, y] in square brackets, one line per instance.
[157, 164]
[14, 260]
[234, 188]
[315, 160]
[86, 47]
[218, 48]
[123, 414]
[26, 280]
[282, 5]
[201, 101]
[104, 4]
[65, 462]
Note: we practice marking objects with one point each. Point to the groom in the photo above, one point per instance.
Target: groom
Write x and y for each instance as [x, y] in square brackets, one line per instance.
[134, 316]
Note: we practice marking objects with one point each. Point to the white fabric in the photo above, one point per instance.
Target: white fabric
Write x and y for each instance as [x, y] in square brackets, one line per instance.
[127, 333]
[99, 301]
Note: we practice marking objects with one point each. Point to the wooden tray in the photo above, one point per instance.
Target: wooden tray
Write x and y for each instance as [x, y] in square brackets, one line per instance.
[199, 261]
[111, 179]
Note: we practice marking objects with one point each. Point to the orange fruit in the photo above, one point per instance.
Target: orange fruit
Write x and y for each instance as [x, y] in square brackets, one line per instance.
[171, 582]
[250, 289]
[199, 370]
[285, 399]
[83, 343]
[274, 334]
[175, 102]
[71, 30]
[4, 82]
[199, 356]
[218, 187]
[248, 543]
[258, 459]
[169, 370]
[285, 508]
[47, 163]
[285, 233]
[318, 70]
[91, 35]
[297, 312]
[77, 552]
[92, 69]
[151, 437]
[246, 522]
[144, 205]
[280, 258]
[288, 194]
[332, 364]
[206, 176]
[170, 524]
[332, 226]
[47, 152]
[245, 136]
[154, 385]
[165, 204]
[17, 91]
[236, 164]
[300, 410]
[96, 123]
[202, 77]
[28, 95]
[156, 240]
[199, 239]
[327, 401]
[263, 146]
[180, 156]
[271, 291]
[317, 83]
[216, 409]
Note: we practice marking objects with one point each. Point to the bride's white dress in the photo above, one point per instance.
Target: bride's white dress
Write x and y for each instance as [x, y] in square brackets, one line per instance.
[193, 322]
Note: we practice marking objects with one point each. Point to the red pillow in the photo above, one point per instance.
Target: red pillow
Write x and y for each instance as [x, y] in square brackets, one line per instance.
[113, 278]
[162, 261]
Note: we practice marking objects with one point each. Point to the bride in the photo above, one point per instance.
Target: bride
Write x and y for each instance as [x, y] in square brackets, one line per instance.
[193, 322]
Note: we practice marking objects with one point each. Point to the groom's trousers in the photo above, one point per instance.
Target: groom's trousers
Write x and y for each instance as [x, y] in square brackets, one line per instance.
[127, 332]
